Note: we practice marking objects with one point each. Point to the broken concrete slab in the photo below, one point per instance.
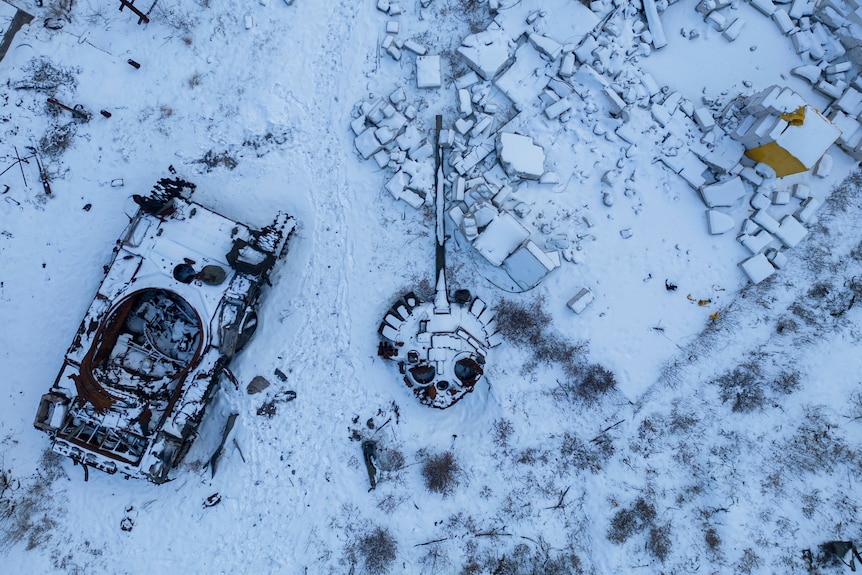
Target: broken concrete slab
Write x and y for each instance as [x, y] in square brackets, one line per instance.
[519, 156]
[659, 40]
[487, 52]
[756, 242]
[719, 222]
[765, 221]
[723, 194]
[547, 46]
[367, 144]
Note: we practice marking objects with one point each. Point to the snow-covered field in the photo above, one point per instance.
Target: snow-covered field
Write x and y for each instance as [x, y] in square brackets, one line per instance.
[730, 442]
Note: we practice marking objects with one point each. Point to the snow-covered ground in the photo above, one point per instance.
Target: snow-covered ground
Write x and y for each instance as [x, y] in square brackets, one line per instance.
[730, 443]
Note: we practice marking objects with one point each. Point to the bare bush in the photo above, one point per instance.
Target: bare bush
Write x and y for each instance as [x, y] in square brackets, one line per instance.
[503, 431]
[522, 324]
[786, 325]
[786, 382]
[524, 560]
[713, 541]
[575, 452]
[743, 386]
[659, 542]
[816, 446]
[749, 562]
[375, 550]
[46, 77]
[57, 139]
[596, 382]
[441, 473]
[628, 521]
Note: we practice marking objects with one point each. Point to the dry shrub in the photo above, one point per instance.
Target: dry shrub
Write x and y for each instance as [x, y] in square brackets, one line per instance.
[441, 472]
[378, 550]
[628, 521]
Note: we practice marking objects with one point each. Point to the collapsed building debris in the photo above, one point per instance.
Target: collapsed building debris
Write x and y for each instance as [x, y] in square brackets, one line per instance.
[541, 62]
[177, 303]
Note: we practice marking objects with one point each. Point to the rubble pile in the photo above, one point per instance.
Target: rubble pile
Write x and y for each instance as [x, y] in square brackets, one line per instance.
[540, 65]
[386, 129]
[827, 36]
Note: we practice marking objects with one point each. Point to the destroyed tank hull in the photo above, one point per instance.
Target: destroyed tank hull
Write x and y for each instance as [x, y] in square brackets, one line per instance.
[177, 302]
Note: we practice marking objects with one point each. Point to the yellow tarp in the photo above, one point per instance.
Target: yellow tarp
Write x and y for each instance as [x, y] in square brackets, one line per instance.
[783, 162]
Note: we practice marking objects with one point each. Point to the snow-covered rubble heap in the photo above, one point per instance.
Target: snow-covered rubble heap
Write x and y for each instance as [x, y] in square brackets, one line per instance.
[386, 130]
[781, 136]
[827, 36]
[428, 66]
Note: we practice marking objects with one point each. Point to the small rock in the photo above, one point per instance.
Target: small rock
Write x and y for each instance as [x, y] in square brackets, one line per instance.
[258, 384]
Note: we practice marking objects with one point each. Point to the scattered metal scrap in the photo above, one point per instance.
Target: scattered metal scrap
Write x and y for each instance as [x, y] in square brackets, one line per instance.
[143, 17]
[213, 462]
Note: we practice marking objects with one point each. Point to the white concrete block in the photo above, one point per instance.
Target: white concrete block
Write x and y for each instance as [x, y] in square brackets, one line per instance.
[765, 6]
[415, 47]
[732, 31]
[807, 210]
[412, 198]
[724, 193]
[392, 27]
[358, 125]
[777, 258]
[756, 242]
[834, 91]
[748, 174]
[824, 166]
[557, 108]
[791, 231]
[581, 300]
[783, 21]
[465, 104]
[397, 184]
[760, 201]
[463, 125]
[757, 268]
[704, 119]
[809, 72]
[547, 46]
[781, 198]
[749, 227]
[801, 191]
[424, 151]
[717, 20]
[850, 102]
[466, 80]
[765, 221]
[616, 104]
[428, 73]
[659, 40]
[567, 65]
[367, 144]
[382, 158]
[718, 222]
